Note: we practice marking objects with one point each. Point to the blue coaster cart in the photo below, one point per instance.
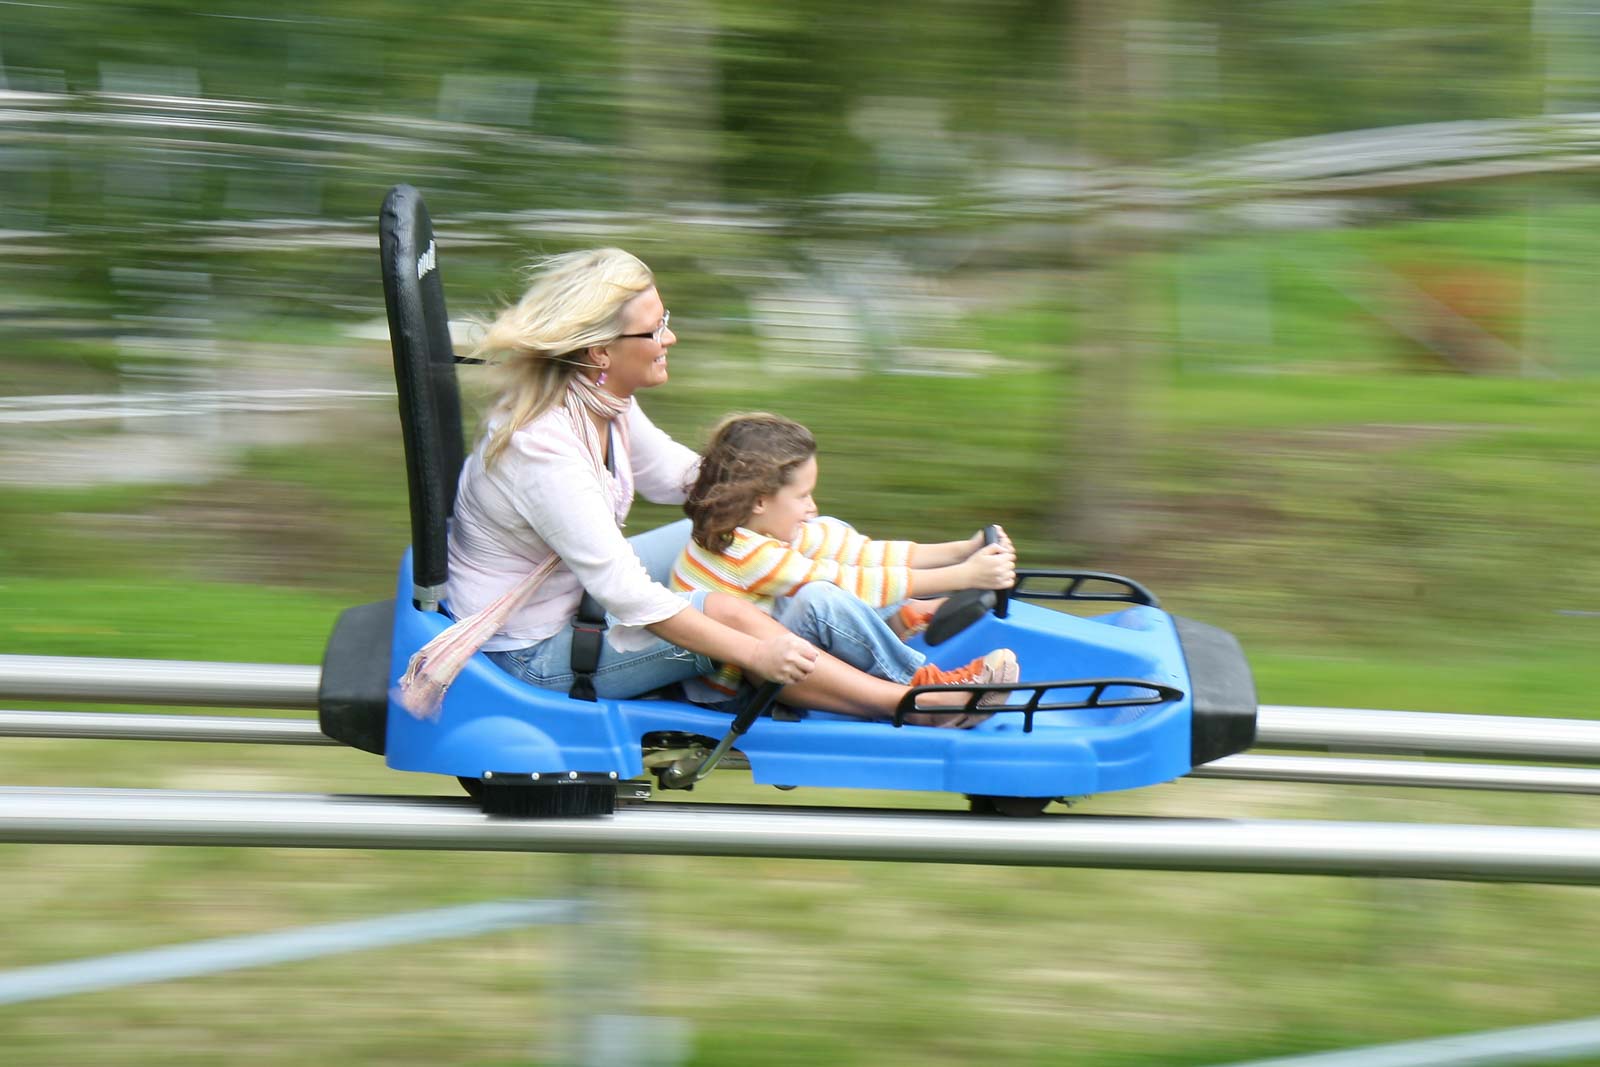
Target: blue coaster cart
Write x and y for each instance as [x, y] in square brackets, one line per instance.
[1115, 701]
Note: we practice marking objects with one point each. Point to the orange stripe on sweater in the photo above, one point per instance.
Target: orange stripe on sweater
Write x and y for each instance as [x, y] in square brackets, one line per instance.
[762, 584]
[709, 577]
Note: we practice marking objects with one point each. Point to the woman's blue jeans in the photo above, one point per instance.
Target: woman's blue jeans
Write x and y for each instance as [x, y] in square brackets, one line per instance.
[619, 675]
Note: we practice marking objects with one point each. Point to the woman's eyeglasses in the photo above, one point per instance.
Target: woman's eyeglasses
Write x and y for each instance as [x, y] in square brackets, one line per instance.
[655, 334]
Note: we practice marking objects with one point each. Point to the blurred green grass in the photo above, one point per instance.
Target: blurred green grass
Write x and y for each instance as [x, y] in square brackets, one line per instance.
[782, 961]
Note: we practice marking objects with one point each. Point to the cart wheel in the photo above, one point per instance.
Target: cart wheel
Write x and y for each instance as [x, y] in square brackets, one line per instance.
[665, 780]
[1014, 807]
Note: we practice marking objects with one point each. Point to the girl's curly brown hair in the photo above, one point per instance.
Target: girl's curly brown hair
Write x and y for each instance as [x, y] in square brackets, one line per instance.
[748, 457]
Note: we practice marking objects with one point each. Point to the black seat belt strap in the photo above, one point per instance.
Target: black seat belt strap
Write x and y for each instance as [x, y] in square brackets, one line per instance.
[589, 628]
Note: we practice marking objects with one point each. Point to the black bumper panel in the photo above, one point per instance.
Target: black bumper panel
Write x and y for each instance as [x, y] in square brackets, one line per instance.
[1223, 691]
[353, 696]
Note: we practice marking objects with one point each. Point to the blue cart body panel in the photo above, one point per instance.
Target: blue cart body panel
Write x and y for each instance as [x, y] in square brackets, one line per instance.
[490, 721]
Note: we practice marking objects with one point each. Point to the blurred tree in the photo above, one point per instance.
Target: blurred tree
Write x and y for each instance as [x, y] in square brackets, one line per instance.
[671, 94]
[1114, 91]
[1300, 67]
[497, 106]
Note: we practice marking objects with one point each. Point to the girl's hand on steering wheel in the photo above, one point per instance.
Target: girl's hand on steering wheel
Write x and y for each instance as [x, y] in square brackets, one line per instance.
[992, 567]
[785, 659]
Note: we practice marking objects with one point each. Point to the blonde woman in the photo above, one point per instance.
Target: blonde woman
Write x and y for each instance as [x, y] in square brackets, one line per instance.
[565, 447]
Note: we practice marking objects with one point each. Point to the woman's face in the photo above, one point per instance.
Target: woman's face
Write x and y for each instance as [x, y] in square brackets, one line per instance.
[638, 360]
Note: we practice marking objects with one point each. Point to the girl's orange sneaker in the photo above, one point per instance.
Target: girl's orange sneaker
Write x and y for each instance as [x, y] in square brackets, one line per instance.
[911, 620]
[997, 668]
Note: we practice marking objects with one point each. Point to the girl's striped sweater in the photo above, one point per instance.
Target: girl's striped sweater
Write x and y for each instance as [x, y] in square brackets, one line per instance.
[762, 569]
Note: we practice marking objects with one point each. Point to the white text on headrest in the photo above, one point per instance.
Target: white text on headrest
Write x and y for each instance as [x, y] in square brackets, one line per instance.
[426, 262]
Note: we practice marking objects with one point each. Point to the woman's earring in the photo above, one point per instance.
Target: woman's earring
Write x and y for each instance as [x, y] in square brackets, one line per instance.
[603, 366]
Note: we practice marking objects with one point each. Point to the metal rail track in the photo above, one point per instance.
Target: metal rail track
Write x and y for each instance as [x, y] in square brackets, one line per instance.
[1478, 853]
[1457, 853]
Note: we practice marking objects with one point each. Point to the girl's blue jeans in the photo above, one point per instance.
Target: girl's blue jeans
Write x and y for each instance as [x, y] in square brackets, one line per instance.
[848, 628]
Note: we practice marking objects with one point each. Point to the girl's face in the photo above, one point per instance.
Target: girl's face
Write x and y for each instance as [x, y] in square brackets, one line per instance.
[781, 514]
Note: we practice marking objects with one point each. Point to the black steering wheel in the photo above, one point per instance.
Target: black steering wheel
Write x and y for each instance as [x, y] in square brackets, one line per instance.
[961, 610]
[1002, 597]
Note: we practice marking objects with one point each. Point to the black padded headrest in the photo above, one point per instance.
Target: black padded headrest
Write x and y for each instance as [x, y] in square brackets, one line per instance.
[424, 372]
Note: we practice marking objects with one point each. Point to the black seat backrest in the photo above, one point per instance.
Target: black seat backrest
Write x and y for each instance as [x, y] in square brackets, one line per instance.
[424, 373]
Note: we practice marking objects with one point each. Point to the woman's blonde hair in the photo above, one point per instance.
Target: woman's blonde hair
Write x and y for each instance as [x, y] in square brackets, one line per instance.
[749, 456]
[573, 301]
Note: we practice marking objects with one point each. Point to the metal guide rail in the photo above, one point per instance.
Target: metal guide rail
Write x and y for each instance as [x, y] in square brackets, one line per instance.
[143, 726]
[164, 682]
[157, 817]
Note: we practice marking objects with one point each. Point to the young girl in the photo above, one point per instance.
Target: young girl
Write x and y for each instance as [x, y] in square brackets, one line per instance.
[757, 535]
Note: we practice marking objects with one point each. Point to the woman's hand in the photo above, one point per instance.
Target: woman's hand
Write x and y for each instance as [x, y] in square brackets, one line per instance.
[991, 567]
[783, 658]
